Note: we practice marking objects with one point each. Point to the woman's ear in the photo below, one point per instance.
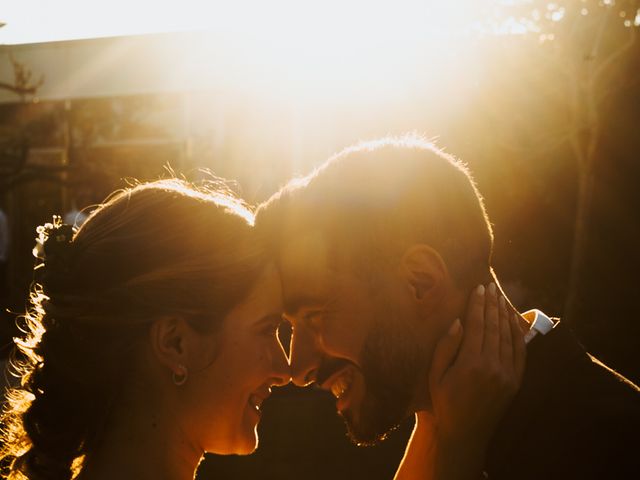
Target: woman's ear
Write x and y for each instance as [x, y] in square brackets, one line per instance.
[425, 273]
[169, 341]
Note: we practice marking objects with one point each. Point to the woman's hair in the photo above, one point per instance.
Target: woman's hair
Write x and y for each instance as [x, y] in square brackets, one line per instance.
[158, 249]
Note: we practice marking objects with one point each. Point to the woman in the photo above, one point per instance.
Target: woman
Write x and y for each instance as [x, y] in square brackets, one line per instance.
[151, 340]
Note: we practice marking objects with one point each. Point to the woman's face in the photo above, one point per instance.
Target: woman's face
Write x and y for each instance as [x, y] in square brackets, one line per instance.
[226, 394]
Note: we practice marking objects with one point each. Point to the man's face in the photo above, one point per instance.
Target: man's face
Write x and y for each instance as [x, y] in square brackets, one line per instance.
[353, 339]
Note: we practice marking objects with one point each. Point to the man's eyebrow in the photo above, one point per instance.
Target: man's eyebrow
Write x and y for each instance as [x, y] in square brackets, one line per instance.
[294, 304]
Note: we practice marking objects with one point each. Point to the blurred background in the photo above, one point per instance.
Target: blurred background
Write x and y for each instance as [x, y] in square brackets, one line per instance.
[541, 99]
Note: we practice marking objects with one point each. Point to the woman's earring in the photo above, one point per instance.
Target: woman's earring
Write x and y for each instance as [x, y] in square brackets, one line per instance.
[180, 375]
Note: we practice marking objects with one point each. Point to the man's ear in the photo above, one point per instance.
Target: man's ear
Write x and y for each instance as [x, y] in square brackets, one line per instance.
[426, 274]
[169, 337]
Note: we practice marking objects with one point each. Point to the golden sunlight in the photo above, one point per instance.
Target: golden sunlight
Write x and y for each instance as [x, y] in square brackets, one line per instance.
[283, 49]
[154, 324]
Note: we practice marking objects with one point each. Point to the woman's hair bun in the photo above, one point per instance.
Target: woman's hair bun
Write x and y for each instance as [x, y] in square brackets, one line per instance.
[54, 249]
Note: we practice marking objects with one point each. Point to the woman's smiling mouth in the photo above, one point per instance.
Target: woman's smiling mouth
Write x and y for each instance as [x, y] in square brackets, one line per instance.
[256, 399]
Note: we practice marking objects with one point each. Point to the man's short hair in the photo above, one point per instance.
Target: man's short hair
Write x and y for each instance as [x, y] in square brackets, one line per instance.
[373, 200]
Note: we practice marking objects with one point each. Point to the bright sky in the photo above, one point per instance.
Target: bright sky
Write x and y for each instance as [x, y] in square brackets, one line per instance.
[29, 21]
[298, 47]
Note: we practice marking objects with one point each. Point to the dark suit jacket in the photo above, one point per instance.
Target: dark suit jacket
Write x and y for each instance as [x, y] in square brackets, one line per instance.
[573, 418]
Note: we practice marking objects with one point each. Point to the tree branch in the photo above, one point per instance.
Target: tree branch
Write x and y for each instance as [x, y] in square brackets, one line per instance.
[27, 90]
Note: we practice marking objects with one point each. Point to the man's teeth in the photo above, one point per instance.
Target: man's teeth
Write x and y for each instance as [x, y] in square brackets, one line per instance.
[339, 387]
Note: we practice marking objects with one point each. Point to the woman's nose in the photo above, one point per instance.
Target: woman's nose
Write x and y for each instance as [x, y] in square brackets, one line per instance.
[305, 358]
[281, 367]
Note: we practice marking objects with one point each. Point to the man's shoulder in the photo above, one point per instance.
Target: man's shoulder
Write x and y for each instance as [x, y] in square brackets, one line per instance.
[603, 400]
[607, 385]
[595, 425]
[581, 416]
[587, 392]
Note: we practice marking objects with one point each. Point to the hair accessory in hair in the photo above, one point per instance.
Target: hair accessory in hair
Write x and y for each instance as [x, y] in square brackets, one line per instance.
[52, 247]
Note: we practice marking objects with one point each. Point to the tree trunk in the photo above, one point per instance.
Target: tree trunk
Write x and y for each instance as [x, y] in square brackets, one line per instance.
[580, 241]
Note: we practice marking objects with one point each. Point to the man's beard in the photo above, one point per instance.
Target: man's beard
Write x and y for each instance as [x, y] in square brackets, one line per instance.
[391, 365]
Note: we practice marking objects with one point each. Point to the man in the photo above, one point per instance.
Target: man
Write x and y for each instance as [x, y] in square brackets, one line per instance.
[380, 249]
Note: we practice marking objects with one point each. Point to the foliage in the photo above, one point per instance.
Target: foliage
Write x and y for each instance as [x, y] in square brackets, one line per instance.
[582, 60]
[23, 82]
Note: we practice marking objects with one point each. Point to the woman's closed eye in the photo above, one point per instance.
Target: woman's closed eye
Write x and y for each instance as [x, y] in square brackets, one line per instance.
[270, 324]
[271, 329]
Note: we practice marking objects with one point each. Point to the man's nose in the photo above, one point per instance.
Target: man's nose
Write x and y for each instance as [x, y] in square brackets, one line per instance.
[305, 357]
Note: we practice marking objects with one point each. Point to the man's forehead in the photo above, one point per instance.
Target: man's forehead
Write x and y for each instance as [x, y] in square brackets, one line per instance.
[305, 272]
[310, 248]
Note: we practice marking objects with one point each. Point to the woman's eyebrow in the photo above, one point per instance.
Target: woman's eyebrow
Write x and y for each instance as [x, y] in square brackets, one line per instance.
[273, 317]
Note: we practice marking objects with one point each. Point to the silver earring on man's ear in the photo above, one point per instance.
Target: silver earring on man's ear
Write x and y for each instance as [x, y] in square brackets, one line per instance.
[180, 375]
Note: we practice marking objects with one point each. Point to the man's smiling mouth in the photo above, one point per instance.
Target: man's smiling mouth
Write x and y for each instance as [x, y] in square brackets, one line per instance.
[339, 384]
